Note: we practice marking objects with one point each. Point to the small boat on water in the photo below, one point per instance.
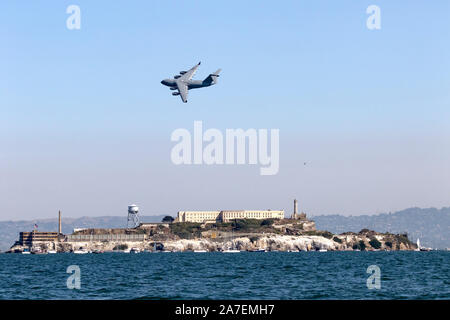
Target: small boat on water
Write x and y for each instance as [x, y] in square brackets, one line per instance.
[420, 248]
[258, 250]
[418, 245]
[200, 250]
[233, 248]
[135, 250]
[98, 251]
[37, 250]
[51, 251]
[231, 251]
[81, 251]
[323, 250]
[26, 251]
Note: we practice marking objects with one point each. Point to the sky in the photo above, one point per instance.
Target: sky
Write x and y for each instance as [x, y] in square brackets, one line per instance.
[85, 125]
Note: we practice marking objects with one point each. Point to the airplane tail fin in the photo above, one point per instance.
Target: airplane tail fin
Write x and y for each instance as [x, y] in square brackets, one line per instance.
[212, 78]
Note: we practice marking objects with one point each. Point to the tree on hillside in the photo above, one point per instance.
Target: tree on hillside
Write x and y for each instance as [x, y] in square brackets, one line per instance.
[168, 219]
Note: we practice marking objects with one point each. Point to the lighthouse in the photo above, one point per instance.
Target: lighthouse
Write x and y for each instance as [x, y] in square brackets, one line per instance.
[296, 215]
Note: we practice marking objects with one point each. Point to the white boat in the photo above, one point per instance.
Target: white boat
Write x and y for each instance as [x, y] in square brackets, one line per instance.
[51, 251]
[418, 245]
[37, 250]
[26, 251]
[420, 248]
[323, 250]
[81, 251]
[200, 250]
[258, 250]
[231, 251]
[135, 250]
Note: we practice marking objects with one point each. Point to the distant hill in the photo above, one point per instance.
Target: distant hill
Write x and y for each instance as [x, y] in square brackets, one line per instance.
[9, 230]
[431, 225]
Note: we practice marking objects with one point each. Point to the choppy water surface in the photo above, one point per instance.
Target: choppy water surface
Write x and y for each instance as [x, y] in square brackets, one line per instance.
[246, 275]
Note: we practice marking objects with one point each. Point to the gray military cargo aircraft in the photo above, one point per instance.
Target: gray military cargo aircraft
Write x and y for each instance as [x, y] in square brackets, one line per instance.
[183, 82]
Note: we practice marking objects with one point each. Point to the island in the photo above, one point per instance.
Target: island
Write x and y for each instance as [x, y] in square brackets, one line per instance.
[210, 231]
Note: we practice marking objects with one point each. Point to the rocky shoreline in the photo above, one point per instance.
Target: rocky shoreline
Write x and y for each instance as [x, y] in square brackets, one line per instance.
[366, 240]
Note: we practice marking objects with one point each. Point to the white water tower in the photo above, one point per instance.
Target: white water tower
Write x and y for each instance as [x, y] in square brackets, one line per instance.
[133, 216]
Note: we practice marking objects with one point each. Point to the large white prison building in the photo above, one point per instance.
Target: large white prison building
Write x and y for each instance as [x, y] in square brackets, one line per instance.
[227, 215]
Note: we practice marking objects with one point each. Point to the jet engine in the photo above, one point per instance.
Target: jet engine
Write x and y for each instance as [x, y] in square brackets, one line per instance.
[177, 76]
[182, 72]
[173, 88]
[175, 93]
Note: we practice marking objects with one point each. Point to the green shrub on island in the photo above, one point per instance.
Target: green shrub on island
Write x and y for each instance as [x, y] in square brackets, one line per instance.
[121, 247]
[375, 243]
[388, 244]
[251, 224]
[325, 234]
[336, 239]
[359, 246]
[186, 230]
[267, 222]
[225, 226]
[167, 219]
[362, 245]
[403, 238]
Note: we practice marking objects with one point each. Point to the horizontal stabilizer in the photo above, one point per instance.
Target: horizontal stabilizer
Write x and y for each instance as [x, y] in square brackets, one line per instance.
[212, 78]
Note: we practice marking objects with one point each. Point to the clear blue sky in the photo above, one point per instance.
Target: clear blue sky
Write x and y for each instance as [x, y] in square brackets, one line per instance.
[85, 123]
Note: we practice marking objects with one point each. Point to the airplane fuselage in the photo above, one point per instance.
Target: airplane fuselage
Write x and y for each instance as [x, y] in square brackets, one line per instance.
[191, 84]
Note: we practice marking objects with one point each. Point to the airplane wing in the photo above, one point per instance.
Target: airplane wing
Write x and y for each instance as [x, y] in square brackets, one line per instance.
[183, 90]
[188, 75]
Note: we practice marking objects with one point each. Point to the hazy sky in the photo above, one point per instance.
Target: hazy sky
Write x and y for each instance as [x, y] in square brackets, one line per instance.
[85, 124]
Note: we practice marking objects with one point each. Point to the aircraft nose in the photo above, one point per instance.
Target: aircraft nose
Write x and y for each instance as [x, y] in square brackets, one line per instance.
[163, 82]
